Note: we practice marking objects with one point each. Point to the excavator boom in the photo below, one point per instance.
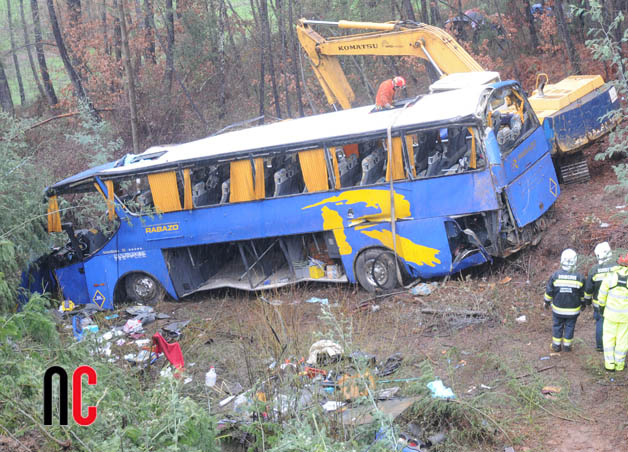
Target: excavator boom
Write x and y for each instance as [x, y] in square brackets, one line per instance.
[436, 46]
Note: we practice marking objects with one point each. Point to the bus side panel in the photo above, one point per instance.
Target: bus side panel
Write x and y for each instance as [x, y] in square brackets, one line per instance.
[524, 155]
[72, 283]
[421, 244]
[533, 192]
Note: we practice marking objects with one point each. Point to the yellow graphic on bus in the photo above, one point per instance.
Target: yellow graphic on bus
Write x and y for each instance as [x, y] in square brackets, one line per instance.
[380, 200]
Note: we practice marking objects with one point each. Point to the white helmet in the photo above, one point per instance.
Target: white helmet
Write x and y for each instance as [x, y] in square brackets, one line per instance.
[568, 260]
[602, 252]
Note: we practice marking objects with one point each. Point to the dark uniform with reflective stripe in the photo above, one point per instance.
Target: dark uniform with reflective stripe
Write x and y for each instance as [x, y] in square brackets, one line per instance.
[591, 290]
[565, 290]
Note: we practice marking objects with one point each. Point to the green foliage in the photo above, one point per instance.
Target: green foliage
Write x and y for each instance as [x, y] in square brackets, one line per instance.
[22, 232]
[136, 411]
[96, 137]
[606, 39]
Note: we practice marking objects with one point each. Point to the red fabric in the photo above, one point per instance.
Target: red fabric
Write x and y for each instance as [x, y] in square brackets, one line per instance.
[351, 149]
[385, 93]
[172, 351]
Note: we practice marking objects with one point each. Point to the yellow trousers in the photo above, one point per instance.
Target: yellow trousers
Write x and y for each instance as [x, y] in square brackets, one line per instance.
[615, 339]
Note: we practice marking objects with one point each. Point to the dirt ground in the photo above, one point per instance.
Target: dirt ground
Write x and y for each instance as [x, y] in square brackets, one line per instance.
[239, 334]
[488, 355]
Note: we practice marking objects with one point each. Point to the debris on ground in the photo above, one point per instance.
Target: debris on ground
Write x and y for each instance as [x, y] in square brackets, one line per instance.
[323, 348]
[389, 366]
[439, 390]
[322, 301]
[421, 290]
[175, 327]
[172, 351]
[521, 319]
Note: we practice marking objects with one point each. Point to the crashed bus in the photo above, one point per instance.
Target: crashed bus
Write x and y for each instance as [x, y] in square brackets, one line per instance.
[440, 183]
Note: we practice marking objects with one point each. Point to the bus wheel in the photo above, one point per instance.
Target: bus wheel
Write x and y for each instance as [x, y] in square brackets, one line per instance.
[142, 288]
[375, 268]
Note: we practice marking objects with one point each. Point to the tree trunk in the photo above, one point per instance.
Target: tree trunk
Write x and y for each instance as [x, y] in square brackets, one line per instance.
[74, 12]
[436, 19]
[41, 58]
[281, 19]
[29, 52]
[130, 76]
[534, 40]
[16, 63]
[269, 54]
[170, 43]
[79, 91]
[574, 58]
[222, 60]
[425, 14]
[105, 34]
[149, 15]
[117, 34]
[6, 102]
[262, 70]
[620, 6]
[294, 47]
[409, 10]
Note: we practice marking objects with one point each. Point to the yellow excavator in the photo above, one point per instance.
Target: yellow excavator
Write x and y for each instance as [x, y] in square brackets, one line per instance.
[574, 111]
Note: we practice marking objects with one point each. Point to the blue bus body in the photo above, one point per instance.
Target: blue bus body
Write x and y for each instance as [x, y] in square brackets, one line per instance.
[444, 224]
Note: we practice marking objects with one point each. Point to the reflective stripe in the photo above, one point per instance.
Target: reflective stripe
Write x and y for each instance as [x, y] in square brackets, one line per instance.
[567, 341]
[565, 311]
[617, 296]
[546, 297]
[567, 283]
[618, 311]
[596, 303]
[556, 341]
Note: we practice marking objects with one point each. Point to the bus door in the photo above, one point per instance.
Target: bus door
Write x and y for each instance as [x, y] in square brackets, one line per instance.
[526, 171]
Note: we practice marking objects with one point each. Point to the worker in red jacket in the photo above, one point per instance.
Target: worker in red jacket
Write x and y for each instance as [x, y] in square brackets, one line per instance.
[386, 92]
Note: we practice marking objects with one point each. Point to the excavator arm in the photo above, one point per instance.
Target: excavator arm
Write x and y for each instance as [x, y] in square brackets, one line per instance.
[391, 38]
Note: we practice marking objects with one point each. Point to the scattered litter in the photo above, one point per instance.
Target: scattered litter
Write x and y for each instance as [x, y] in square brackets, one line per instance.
[363, 414]
[332, 405]
[142, 357]
[620, 207]
[375, 308]
[550, 390]
[223, 402]
[439, 390]
[544, 358]
[210, 378]
[471, 389]
[323, 347]
[142, 342]
[323, 301]
[483, 386]
[111, 317]
[187, 380]
[385, 394]
[165, 372]
[421, 290]
[139, 310]
[554, 354]
[460, 364]
[509, 449]
[67, 305]
[176, 327]
[391, 364]
[505, 280]
[92, 328]
[108, 336]
[132, 326]
[361, 357]
[521, 319]
[136, 335]
[172, 351]
[604, 225]
[120, 342]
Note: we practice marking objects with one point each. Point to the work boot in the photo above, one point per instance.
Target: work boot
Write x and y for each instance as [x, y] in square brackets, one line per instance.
[556, 348]
[567, 348]
[599, 349]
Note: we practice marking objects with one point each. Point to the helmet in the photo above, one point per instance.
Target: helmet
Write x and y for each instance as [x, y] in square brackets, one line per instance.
[568, 259]
[602, 252]
[623, 260]
[399, 82]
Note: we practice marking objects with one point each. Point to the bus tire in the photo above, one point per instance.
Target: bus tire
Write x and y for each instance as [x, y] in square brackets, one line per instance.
[142, 288]
[375, 269]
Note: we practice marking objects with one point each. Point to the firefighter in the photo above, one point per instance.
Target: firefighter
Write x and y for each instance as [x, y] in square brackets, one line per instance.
[565, 292]
[592, 287]
[613, 302]
[386, 92]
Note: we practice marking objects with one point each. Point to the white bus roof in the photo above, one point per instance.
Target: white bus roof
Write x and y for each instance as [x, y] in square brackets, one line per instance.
[430, 110]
